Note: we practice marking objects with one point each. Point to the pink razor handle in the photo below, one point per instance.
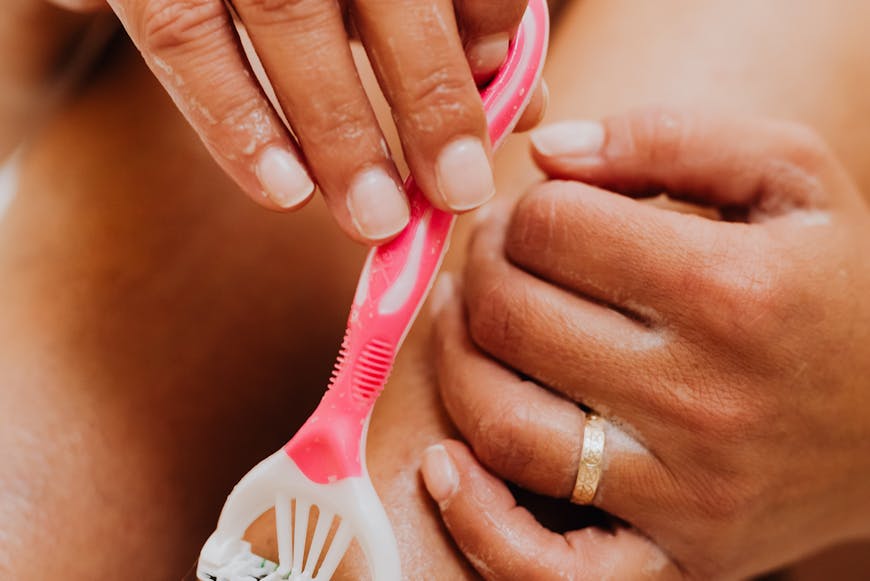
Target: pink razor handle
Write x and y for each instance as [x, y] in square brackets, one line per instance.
[395, 281]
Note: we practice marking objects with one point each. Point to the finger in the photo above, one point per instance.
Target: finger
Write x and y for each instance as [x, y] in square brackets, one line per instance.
[306, 53]
[536, 109]
[640, 359]
[504, 541]
[528, 435]
[581, 348]
[418, 57]
[506, 420]
[487, 28]
[637, 257]
[191, 47]
[772, 167]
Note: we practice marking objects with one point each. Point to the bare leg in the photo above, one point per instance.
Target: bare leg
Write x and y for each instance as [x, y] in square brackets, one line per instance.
[164, 338]
[160, 335]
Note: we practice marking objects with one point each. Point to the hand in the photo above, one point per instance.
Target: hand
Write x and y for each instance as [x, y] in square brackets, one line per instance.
[729, 359]
[421, 61]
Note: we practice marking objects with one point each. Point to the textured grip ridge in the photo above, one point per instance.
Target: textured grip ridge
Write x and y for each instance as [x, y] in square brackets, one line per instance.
[341, 360]
[372, 369]
[367, 370]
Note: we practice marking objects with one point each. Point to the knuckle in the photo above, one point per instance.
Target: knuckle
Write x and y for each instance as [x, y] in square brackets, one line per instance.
[491, 308]
[658, 134]
[346, 123]
[238, 124]
[500, 438]
[303, 15]
[437, 87]
[534, 220]
[442, 96]
[496, 302]
[176, 24]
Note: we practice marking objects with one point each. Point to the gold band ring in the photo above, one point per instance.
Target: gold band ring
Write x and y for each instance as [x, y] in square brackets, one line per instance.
[591, 458]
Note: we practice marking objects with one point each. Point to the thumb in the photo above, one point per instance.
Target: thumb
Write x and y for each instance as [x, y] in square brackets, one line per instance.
[768, 167]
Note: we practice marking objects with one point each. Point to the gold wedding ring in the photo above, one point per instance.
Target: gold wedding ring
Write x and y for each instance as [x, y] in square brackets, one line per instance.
[591, 457]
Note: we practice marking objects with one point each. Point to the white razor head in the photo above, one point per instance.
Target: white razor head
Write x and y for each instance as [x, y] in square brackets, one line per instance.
[337, 513]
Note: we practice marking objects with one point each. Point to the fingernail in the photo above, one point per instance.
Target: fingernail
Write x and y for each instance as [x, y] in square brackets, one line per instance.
[488, 53]
[439, 474]
[441, 293]
[283, 177]
[377, 205]
[464, 175]
[569, 138]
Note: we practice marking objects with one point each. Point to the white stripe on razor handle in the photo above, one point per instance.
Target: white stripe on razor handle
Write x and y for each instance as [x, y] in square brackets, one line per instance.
[318, 483]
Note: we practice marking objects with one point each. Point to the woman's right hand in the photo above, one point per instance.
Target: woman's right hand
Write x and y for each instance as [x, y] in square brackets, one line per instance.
[421, 60]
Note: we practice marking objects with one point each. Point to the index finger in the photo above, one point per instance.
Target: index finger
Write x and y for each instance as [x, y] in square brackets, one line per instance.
[192, 49]
[417, 55]
[504, 541]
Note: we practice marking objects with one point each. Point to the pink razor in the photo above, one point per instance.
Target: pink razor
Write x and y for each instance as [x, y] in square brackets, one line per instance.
[318, 483]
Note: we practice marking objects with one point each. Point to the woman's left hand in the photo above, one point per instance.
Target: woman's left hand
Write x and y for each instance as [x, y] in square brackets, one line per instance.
[730, 360]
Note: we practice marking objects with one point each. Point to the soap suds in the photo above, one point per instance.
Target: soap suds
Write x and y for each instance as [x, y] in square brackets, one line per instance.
[9, 176]
[619, 442]
[812, 217]
[168, 71]
[656, 562]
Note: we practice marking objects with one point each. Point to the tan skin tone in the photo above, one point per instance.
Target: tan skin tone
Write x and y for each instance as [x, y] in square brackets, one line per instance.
[141, 320]
[161, 306]
[30, 64]
[427, 55]
[734, 354]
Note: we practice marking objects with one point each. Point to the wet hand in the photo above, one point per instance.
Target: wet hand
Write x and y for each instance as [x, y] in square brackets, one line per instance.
[426, 54]
[729, 359]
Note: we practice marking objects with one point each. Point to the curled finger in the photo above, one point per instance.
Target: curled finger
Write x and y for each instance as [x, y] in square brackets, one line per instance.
[530, 435]
[503, 541]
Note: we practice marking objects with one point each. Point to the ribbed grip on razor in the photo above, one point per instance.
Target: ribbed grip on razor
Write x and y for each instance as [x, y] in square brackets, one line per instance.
[372, 369]
[368, 370]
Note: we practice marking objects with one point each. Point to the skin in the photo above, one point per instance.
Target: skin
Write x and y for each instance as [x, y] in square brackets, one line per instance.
[143, 326]
[119, 381]
[730, 358]
[427, 56]
[31, 64]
